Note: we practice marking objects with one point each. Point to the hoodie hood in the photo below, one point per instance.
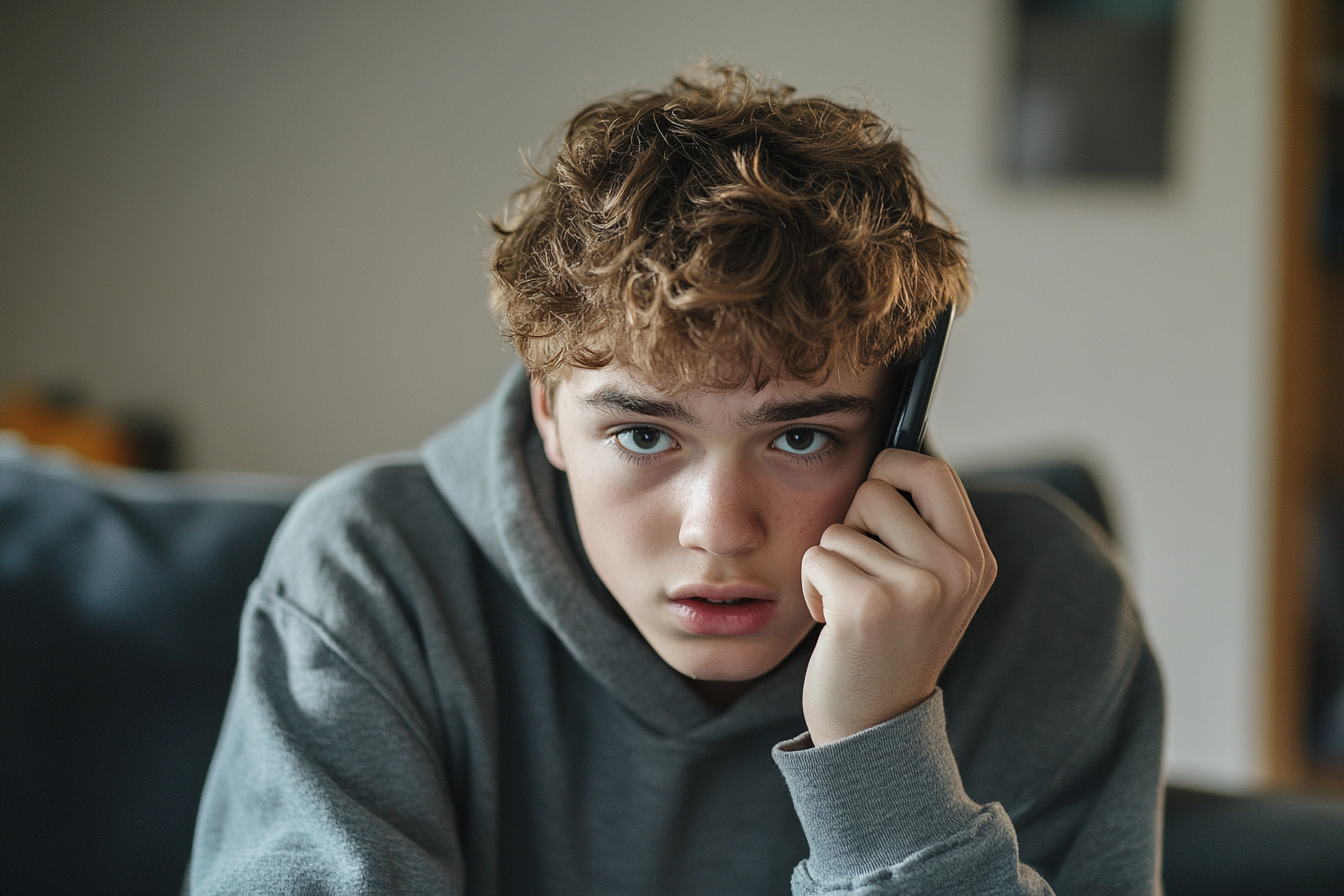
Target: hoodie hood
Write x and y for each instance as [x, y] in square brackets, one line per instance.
[492, 471]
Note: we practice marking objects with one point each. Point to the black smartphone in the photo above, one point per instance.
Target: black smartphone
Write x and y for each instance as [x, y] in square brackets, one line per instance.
[919, 377]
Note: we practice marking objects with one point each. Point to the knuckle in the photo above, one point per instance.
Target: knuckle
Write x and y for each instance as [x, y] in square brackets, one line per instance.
[871, 490]
[927, 461]
[961, 577]
[835, 534]
[886, 457]
[870, 605]
[911, 465]
[927, 586]
[920, 591]
[937, 468]
[991, 569]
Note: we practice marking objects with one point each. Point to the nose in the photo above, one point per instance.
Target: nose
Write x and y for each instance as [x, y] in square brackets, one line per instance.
[722, 512]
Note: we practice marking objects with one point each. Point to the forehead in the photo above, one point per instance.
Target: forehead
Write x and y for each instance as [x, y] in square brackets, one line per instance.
[615, 390]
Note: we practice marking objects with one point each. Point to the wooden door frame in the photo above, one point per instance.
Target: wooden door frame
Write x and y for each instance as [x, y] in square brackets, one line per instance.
[1296, 394]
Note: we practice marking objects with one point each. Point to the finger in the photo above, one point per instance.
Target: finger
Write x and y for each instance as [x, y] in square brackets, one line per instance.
[972, 568]
[836, 589]
[820, 570]
[829, 576]
[859, 548]
[952, 575]
[882, 561]
[879, 509]
[937, 493]
[991, 566]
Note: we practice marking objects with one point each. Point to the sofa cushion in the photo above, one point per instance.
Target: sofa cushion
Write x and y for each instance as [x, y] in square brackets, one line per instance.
[120, 595]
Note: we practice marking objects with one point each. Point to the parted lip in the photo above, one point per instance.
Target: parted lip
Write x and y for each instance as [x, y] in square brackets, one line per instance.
[722, 591]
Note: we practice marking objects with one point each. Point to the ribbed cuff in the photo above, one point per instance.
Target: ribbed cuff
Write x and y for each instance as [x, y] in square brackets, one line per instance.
[872, 799]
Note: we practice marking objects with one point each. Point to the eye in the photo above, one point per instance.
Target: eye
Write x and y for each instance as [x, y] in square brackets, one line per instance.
[644, 440]
[802, 441]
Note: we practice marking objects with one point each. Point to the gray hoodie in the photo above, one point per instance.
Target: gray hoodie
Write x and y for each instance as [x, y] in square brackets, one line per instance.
[435, 694]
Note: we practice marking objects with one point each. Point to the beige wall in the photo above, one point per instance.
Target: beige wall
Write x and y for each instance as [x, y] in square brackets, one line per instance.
[266, 218]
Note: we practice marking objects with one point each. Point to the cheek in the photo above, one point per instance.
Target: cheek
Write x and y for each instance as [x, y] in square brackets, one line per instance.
[622, 527]
[802, 516]
[807, 517]
[827, 501]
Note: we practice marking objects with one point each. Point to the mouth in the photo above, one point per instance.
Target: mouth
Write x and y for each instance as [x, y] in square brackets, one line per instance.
[722, 611]
[722, 592]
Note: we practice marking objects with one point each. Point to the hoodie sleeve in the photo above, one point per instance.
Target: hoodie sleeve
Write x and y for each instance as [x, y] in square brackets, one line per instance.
[884, 811]
[337, 769]
[1057, 726]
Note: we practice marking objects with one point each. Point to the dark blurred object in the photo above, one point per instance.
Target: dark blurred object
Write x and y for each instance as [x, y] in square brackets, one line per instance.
[120, 596]
[1219, 845]
[1330, 74]
[1326, 705]
[153, 440]
[1071, 478]
[1091, 88]
[1326, 577]
[61, 415]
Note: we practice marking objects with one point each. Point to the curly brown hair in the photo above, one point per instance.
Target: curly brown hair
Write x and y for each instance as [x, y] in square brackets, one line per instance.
[721, 232]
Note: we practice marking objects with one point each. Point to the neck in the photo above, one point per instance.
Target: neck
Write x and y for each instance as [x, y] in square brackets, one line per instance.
[721, 694]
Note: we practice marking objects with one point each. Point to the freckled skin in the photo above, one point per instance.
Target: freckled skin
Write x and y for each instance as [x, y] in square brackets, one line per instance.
[722, 505]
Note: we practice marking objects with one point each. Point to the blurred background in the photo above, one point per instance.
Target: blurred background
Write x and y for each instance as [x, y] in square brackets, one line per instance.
[251, 236]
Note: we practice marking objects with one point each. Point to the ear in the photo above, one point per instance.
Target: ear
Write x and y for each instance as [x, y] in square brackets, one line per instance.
[544, 416]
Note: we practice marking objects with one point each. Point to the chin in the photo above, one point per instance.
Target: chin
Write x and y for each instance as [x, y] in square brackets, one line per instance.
[726, 661]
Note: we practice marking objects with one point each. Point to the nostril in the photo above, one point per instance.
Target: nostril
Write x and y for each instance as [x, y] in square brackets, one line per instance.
[722, 514]
[723, 536]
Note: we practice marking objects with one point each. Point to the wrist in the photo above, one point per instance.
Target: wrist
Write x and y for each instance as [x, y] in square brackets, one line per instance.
[829, 730]
[869, 800]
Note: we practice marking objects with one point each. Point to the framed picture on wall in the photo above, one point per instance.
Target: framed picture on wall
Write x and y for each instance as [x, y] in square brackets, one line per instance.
[1090, 89]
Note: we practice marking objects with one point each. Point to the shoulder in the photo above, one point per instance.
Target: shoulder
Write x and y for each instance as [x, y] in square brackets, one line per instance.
[1060, 579]
[1052, 661]
[369, 504]
[1027, 520]
[371, 538]
[377, 488]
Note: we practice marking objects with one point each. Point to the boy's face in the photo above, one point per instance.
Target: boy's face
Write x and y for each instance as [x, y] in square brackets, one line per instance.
[695, 510]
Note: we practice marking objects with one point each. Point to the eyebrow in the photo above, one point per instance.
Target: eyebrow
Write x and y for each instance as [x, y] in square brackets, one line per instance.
[610, 398]
[829, 403]
[824, 405]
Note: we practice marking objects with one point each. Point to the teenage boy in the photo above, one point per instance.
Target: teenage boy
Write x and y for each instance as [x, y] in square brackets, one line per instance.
[657, 618]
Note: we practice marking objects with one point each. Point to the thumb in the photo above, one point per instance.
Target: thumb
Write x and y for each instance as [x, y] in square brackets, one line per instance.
[815, 602]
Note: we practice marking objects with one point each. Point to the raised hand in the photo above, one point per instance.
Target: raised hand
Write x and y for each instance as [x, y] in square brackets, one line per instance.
[895, 589]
